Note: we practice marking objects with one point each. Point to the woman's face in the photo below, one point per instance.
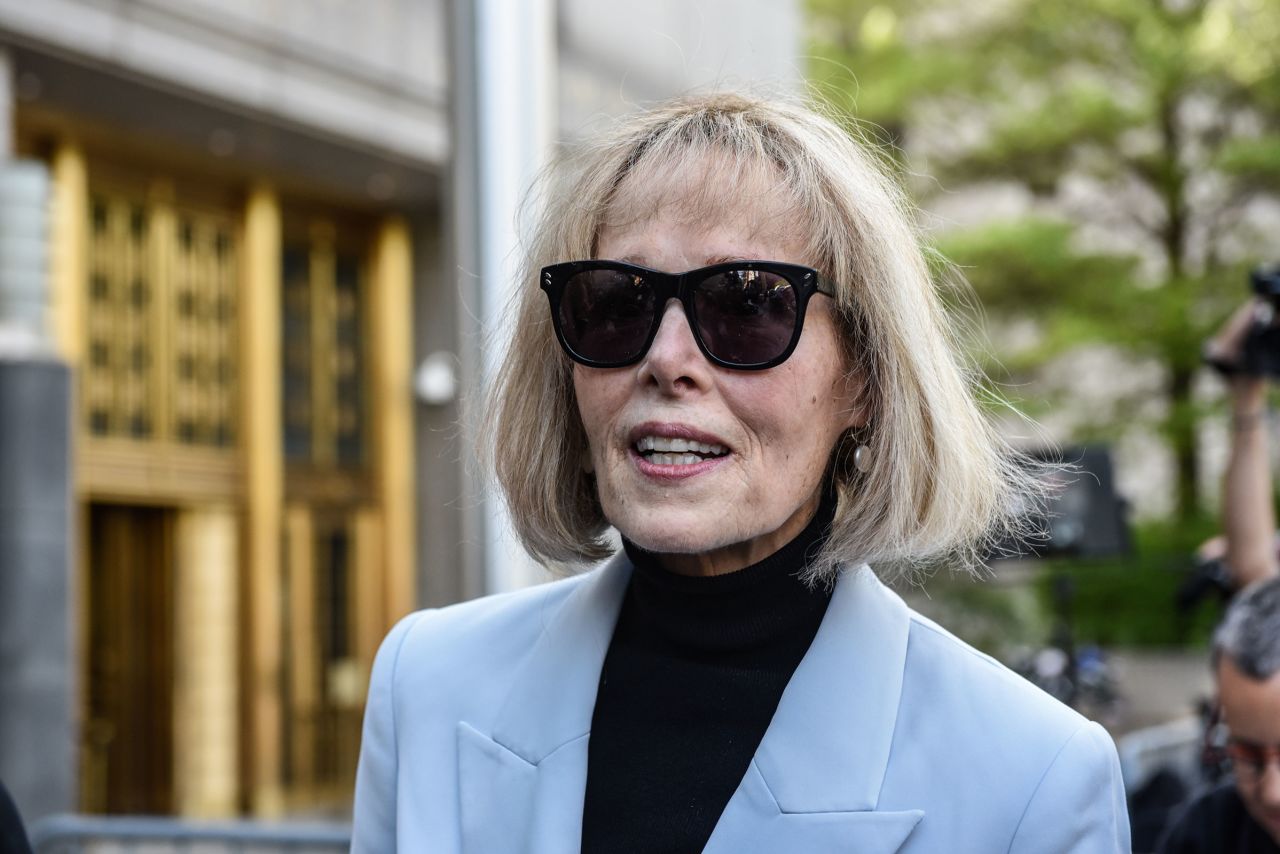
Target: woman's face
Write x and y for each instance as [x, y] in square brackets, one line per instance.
[770, 433]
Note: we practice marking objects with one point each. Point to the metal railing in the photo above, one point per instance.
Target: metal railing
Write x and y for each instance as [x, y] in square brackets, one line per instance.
[57, 834]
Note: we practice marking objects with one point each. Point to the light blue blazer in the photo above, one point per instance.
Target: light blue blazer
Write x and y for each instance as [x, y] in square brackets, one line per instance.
[892, 736]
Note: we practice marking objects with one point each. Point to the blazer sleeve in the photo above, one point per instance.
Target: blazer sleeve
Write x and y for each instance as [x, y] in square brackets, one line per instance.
[1079, 806]
[374, 815]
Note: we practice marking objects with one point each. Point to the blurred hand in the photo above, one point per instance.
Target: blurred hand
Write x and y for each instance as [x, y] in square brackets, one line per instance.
[1226, 348]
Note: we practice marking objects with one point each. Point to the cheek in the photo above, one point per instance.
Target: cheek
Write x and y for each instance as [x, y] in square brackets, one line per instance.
[596, 394]
[795, 422]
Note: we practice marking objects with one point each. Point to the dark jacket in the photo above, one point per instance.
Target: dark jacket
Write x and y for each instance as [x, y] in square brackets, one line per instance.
[1217, 823]
[13, 838]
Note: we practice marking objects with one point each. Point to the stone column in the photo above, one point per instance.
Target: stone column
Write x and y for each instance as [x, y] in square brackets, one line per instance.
[264, 498]
[508, 71]
[24, 274]
[37, 672]
[206, 689]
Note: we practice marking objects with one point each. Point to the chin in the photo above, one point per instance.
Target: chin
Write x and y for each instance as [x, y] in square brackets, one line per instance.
[666, 542]
[1268, 820]
[669, 533]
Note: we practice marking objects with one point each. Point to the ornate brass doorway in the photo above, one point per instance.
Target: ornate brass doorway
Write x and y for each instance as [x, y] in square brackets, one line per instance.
[127, 750]
[244, 475]
[325, 678]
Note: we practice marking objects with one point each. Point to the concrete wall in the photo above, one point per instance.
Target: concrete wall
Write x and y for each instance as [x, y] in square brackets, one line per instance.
[615, 56]
[37, 690]
[372, 72]
[352, 100]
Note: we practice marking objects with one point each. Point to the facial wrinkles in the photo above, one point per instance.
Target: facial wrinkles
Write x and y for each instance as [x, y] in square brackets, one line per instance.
[779, 425]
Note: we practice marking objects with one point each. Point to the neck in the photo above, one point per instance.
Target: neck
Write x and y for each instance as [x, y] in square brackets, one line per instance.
[807, 528]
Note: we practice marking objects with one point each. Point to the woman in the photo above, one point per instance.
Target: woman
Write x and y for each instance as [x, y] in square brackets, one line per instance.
[733, 356]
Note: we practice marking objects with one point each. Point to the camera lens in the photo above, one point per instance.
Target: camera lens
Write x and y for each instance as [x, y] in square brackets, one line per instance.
[1266, 282]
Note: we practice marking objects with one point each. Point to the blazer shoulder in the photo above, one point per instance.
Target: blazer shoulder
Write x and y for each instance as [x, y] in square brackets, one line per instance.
[977, 720]
[496, 625]
[941, 657]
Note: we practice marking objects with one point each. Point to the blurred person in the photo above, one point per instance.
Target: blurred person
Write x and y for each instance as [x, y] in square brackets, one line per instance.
[1242, 815]
[13, 836]
[1243, 555]
[746, 370]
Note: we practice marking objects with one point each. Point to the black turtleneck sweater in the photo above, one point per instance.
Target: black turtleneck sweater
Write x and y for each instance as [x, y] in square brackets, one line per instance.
[691, 679]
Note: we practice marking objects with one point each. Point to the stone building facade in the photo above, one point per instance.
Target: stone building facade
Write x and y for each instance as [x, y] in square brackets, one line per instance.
[256, 229]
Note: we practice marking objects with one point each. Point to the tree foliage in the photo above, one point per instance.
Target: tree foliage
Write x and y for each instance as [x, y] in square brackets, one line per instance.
[1144, 136]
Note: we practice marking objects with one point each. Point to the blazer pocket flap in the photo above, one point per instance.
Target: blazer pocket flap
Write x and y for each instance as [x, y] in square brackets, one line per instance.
[495, 790]
[753, 822]
[860, 832]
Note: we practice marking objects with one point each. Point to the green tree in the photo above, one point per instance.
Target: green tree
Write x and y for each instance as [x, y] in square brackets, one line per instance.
[1146, 134]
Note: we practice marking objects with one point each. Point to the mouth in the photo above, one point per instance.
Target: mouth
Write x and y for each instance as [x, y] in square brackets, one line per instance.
[664, 449]
[668, 451]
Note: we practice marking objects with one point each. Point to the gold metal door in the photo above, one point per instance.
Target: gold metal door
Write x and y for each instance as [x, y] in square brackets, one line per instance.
[127, 738]
[325, 682]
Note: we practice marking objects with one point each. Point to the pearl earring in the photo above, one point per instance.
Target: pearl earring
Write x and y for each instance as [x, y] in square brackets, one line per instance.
[862, 459]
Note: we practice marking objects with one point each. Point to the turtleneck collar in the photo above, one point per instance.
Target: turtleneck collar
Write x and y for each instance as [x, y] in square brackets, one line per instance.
[755, 607]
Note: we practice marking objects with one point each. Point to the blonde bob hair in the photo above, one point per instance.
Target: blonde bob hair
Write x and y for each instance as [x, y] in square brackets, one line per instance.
[942, 486]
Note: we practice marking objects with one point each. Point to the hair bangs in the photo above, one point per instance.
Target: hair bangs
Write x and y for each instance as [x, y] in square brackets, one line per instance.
[942, 485]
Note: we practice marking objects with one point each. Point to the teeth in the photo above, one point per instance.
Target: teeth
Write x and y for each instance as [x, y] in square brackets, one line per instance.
[674, 459]
[667, 447]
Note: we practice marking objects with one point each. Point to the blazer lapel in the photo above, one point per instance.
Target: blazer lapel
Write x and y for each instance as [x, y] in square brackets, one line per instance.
[815, 782]
[522, 785]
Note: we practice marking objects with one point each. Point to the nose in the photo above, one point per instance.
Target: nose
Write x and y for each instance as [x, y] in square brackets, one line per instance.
[1269, 784]
[674, 361]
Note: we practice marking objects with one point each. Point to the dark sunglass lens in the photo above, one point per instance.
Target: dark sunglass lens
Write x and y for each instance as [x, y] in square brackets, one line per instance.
[606, 315]
[1250, 758]
[746, 317]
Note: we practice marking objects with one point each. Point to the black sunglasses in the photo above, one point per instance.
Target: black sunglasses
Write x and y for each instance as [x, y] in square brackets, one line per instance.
[1250, 760]
[744, 314]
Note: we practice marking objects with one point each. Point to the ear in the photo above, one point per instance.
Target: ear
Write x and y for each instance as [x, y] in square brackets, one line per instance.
[858, 398]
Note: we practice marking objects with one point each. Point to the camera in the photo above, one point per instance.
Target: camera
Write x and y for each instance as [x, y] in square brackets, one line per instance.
[1261, 354]
[1083, 517]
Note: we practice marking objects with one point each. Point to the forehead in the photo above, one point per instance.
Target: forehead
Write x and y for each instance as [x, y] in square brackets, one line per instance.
[729, 201]
[1252, 706]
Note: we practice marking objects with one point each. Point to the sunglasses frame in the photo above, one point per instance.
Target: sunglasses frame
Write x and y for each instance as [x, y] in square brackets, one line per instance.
[805, 281]
[1254, 757]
